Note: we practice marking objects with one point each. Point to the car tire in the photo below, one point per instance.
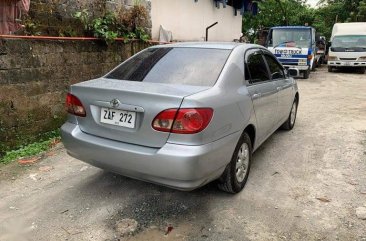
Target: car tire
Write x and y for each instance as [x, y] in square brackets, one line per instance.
[362, 70]
[290, 122]
[330, 69]
[306, 74]
[236, 173]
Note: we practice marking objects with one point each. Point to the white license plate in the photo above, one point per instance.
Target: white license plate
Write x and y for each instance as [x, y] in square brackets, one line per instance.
[347, 63]
[118, 117]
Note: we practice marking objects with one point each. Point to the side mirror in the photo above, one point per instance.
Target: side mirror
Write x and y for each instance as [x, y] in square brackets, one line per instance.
[293, 72]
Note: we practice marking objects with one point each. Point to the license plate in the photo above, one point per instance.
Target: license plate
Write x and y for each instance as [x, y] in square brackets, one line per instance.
[347, 63]
[118, 117]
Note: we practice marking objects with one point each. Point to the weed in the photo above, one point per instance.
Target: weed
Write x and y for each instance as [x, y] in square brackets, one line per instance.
[45, 143]
[125, 23]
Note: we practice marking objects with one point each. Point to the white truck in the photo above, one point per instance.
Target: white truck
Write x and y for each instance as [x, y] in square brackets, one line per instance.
[348, 46]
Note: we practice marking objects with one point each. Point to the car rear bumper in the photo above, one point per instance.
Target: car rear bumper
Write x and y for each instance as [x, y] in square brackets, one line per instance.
[178, 166]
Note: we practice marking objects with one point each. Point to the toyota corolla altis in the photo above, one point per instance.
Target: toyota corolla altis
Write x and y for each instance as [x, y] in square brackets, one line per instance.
[182, 115]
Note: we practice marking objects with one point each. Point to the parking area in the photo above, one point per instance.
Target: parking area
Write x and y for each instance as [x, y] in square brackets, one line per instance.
[306, 184]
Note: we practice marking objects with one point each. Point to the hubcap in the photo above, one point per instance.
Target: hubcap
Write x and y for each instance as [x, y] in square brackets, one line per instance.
[242, 162]
[293, 113]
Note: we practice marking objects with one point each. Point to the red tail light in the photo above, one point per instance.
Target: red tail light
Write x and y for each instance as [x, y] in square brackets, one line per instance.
[183, 121]
[74, 106]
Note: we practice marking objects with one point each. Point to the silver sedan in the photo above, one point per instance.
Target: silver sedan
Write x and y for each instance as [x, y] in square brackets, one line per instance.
[182, 115]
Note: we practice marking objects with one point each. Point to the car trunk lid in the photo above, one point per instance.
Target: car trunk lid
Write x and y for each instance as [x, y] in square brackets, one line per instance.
[124, 110]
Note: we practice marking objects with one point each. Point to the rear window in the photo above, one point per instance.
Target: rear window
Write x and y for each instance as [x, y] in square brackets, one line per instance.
[186, 66]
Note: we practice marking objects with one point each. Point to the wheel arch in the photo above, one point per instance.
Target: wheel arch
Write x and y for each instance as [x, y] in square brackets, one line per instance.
[251, 131]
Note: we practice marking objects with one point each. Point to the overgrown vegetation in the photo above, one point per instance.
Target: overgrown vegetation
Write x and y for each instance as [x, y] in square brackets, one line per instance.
[44, 144]
[51, 19]
[127, 24]
[297, 12]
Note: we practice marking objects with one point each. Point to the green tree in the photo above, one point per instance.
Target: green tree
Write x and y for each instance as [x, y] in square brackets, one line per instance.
[360, 14]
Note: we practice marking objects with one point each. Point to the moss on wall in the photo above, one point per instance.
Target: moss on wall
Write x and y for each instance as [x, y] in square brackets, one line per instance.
[35, 76]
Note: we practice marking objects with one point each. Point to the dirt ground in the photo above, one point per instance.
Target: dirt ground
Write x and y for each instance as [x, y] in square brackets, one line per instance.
[306, 184]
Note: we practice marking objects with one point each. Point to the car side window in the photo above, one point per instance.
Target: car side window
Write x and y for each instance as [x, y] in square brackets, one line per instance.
[257, 68]
[274, 67]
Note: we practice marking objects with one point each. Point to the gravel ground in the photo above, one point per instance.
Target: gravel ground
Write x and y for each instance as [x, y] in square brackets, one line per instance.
[306, 184]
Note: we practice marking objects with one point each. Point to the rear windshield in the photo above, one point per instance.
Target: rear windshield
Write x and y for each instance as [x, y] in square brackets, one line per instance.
[186, 66]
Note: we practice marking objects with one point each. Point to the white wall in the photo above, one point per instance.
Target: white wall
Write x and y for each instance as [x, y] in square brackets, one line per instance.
[188, 20]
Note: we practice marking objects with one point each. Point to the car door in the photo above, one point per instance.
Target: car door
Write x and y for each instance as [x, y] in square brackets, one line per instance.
[283, 85]
[263, 93]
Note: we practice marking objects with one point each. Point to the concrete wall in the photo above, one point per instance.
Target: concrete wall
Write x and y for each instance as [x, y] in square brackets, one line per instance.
[34, 79]
[188, 20]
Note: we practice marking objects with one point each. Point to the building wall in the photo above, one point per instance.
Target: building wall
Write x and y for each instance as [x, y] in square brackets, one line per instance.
[188, 20]
[35, 76]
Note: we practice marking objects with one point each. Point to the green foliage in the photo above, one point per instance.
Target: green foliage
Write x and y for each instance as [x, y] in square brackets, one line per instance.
[31, 27]
[44, 144]
[297, 12]
[141, 34]
[325, 17]
[360, 14]
[128, 24]
[332, 11]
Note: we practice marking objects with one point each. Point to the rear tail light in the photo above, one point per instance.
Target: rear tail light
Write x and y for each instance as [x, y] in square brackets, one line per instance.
[183, 121]
[74, 105]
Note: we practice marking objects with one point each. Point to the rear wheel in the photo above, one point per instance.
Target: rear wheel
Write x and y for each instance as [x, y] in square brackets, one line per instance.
[236, 173]
[290, 122]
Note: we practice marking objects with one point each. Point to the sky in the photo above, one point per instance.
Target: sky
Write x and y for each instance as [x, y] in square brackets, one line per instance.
[312, 2]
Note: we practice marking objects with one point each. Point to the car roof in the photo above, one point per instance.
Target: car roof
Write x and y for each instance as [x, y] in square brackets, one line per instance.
[209, 45]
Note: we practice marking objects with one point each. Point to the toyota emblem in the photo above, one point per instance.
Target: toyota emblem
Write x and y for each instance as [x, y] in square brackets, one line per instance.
[115, 103]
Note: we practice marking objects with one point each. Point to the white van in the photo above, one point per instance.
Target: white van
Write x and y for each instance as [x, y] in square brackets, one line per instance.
[348, 46]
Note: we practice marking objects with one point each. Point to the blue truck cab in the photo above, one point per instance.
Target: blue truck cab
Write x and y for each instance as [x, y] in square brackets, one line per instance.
[294, 47]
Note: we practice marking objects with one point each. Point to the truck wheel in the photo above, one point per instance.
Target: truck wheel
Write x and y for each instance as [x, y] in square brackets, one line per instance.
[330, 69]
[306, 74]
[236, 173]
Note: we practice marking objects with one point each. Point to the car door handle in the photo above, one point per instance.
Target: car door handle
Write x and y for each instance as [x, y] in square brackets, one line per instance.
[256, 96]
